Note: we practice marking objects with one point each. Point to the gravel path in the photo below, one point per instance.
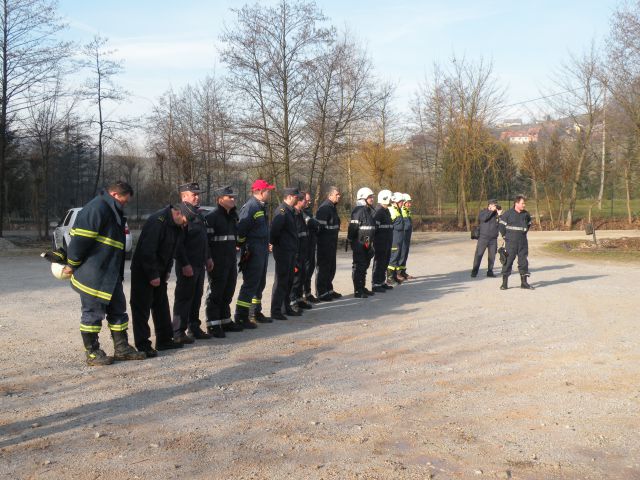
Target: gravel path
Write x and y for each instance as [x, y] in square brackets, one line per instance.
[443, 377]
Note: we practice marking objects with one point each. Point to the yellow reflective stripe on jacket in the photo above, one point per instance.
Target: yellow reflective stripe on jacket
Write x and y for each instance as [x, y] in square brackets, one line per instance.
[243, 304]
[259, 213]
[89, 290]
[110, 241]
[256, 301]
[83, 233]
[73, 263]
[395, 213]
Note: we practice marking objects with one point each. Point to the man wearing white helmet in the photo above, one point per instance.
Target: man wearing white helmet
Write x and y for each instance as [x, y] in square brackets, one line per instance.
[382, 242]
[362, 229]
[397, 220]
[408, 230]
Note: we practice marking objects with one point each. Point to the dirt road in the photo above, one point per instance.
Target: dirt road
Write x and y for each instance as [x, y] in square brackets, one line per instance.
[443, 377]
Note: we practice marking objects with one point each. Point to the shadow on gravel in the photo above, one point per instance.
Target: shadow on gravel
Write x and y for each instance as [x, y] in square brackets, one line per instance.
[552, 267]
[107, 410]
[579, 278]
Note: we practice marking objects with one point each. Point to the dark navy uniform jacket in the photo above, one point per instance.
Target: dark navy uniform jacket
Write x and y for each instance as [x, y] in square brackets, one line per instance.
[222, 231]
[514, 225]
[362, 227]
[384, 232]
[192, 249]
[253, 226]
[284, 232]
[96, 250]
[303, 234]
[488, 223]
[329, 221]
[157, 245]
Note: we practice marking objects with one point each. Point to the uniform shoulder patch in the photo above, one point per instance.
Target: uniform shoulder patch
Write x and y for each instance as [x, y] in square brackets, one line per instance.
[161, 218]
[282, 210]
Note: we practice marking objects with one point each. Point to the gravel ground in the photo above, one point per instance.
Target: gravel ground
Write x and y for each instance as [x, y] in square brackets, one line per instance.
[443, 377]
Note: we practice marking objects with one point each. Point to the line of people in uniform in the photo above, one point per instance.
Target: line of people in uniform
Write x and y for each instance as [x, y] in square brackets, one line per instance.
[204, 244]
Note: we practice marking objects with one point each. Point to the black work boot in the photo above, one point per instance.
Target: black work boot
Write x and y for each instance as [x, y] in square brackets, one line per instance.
[216, 331]
[122, 350]
[523, 282]
[474, 273]
[490, 274]
[504, 286]
[260, 317]
[236, 324]
[95, 356]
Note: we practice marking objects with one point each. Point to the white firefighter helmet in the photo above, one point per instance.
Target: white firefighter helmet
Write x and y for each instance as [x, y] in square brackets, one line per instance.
[364, 193]
[384, 197]
[397, 197]
[57, 271]
[406, 197]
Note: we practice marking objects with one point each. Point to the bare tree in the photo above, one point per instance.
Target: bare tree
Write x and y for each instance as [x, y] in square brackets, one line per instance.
[581, 102]
[30, 56]
[100, 89]
[270, 53]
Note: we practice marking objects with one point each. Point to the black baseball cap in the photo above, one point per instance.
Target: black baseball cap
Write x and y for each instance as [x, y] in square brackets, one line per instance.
[291, 191]
[225, 191]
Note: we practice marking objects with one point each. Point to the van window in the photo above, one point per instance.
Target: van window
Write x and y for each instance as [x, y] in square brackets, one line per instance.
[67, 219]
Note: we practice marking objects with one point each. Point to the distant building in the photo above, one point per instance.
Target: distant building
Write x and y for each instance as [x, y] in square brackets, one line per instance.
[521, 137]
[510, 122]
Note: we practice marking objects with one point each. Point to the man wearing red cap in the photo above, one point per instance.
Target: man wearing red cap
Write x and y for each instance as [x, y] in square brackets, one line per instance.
[253, 238]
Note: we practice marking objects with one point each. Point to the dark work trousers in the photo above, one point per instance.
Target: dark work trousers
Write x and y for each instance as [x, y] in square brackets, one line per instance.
[298, 278]
[222, 285]
[326, 266]
[188, 297]
[517, 247]
[285, 264]
[380, 263]
[396, 251]
[404, 249]
[145, 300]
[254, 279]
[94, 311]
[361, 261]
[310, 265]
[489, 244]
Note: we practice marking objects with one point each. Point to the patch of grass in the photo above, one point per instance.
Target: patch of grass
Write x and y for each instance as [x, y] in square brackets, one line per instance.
[618, 250]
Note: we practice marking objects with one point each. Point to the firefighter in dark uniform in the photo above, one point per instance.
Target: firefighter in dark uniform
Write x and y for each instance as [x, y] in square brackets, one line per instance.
[487, 238]
[95, 262]
[397, 242]
[222, 230]
[253, 238]
[382, 242]
[150, 270]
[192, 258]
[362, 229]
[329, 223]
[297, 297]
[284, 238]
[406, 242]
[310, 263]
[514, 225]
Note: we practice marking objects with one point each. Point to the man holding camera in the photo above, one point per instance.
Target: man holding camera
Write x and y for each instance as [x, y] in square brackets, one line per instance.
[488, 237]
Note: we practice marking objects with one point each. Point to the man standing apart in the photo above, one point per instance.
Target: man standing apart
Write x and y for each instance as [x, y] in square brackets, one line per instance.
[408, 230]
[488, 238]
[329, 221]
[95, 261]
[362, 229]
[192, 257]
[222, 228]
[514, 225]
[284, 238]
[253, 237]
[393, 271]
[150, 270]
[382, 242]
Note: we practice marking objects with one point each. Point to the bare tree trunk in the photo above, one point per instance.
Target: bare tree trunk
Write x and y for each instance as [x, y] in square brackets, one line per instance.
[628, 193]
[549, 208]
[535, 200]
[604, 148]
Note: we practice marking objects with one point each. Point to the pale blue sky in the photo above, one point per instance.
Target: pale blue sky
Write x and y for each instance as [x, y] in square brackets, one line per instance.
[173, 43]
